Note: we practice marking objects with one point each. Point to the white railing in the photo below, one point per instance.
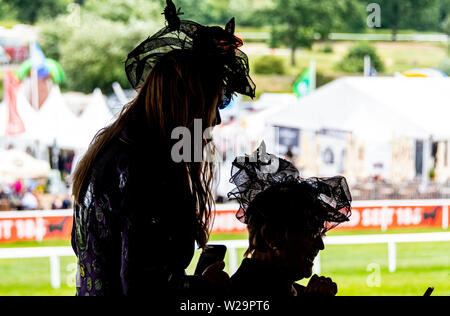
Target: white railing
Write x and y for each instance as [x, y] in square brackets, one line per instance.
[362, 37]
[390, 239]
[232, 245]
[41, 252]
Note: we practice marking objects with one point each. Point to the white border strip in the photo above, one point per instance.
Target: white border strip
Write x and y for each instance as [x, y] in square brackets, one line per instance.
[32, 214]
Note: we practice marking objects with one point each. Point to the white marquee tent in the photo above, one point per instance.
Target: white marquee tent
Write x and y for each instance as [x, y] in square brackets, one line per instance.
[55, 122]
[376, 110]
[95, 117]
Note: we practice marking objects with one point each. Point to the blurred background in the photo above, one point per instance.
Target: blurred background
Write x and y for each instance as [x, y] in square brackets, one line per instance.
[351, 87]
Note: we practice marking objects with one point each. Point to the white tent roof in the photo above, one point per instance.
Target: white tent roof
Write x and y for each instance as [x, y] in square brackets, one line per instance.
[271, 100]
[27, 114]
[424, 101]
[57, 122]
[16, 164]
[95, 117]
[373, 108]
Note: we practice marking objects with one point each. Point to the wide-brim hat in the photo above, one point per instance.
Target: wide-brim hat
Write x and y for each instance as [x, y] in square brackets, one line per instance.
[212, 41]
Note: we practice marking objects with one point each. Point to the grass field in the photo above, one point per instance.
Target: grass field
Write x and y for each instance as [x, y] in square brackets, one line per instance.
[396, 56]
[357, 269]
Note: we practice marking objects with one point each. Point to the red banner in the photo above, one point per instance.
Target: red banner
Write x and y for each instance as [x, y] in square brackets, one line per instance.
[39, 226]
[365, 215]
[15, 124]
[383, 215]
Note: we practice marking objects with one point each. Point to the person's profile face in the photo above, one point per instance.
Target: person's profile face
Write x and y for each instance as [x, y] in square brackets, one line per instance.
[219, 106]
[300, 251]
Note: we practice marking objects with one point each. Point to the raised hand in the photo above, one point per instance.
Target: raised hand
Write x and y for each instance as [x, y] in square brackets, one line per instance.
[215, 275]
[321, 286]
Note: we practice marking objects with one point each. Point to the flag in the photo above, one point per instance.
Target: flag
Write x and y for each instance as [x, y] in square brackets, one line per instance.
[38, 60]
[303, 85]
[15, 124]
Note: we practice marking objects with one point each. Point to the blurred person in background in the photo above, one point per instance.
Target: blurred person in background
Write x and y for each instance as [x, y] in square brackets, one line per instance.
[57, 204]
[29, 200]
[3, 193]
[286, 218]
[17, 187]
[124, 244]
[67, 202]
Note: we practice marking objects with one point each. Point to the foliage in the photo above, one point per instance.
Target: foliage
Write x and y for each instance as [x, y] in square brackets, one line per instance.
[445, 66]
[93, 53]
[410, 14]
[353, 62]
[30, 11]
[322, 79]
[446, 25]
[7, 11]
[299, 23]
[52, 34]
[327, 49]
[219, 12]
[124, 10]
[269, 64]
[96, 53]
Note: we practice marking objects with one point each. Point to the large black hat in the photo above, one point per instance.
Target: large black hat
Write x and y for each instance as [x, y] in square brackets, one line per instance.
[206, 40]
[262, 172]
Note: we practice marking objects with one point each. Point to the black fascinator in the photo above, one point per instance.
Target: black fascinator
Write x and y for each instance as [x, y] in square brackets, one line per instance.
[212, 41]
[262, 172]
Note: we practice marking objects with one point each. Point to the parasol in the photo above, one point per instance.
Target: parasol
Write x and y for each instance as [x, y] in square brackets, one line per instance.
[51, 68]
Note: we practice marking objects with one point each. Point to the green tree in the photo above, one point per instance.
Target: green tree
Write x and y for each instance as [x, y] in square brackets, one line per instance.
[30, 11]
[125, 10]
[53, 34]
[445, 26]
[7, 11]
[415, 14]
[269, 64]
[93, 50]
[296, 23]
[94, 55]
[353, 62]
[219, 12]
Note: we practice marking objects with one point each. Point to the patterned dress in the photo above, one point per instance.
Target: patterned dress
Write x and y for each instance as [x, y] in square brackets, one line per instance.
[133, 233]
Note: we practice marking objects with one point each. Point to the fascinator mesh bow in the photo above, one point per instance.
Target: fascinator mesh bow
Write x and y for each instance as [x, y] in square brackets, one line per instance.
[211, 41]
[257, 173]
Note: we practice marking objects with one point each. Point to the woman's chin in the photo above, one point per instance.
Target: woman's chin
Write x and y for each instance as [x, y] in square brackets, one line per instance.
[303, 273]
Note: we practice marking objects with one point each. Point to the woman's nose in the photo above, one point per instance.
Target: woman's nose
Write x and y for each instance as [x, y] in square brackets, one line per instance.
[319, 243]
[218, 119]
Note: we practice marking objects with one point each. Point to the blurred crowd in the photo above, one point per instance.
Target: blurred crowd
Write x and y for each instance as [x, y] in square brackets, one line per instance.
[29, 195]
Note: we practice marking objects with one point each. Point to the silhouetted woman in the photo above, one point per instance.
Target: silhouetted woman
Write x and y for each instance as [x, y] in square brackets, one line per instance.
[139, 210]
[286, 218]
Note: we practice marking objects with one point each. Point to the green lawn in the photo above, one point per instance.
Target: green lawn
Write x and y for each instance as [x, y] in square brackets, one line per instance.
[357, 269]
[396, 56]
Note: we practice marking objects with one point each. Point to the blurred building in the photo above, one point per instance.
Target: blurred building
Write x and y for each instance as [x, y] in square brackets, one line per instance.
[390, 130]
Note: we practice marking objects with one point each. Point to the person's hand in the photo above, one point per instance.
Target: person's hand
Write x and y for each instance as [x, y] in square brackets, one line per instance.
[321, 286]
[215, 275]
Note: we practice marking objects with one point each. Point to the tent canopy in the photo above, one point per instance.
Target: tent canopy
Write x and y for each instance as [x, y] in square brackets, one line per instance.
[56, 122]
[375, 108]
[16, 164]
[96, 116]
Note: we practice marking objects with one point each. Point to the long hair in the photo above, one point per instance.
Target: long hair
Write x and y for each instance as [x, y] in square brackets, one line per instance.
[181, 87]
